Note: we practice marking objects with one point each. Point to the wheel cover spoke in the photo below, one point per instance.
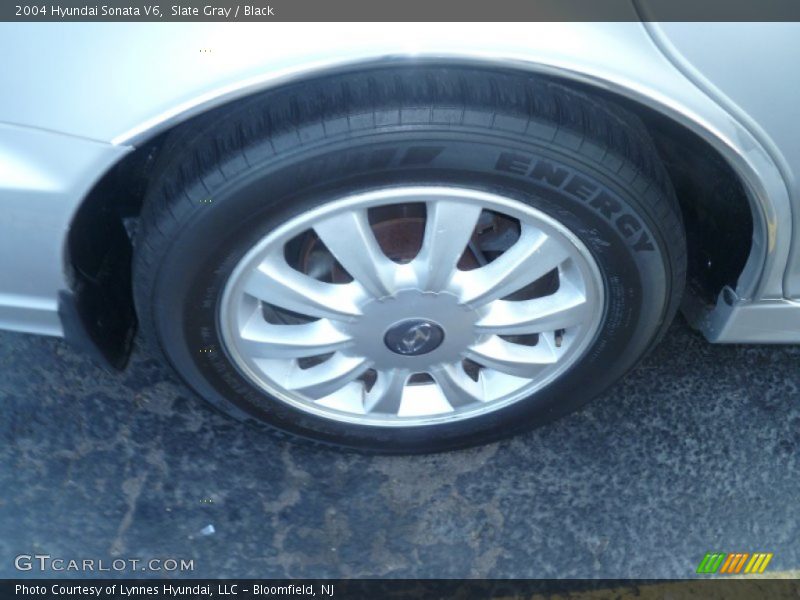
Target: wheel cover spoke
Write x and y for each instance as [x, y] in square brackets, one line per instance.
[386, 396]
[450, 333]
[266, 340]
[324, 379]
[513, 359]
[565, 308]
[350, 239]
[448, 230]
[531, 257]
[458, 388]
[275, 282]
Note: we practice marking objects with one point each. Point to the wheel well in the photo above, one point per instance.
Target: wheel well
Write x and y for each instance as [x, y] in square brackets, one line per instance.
[98, 310]
[716, 212]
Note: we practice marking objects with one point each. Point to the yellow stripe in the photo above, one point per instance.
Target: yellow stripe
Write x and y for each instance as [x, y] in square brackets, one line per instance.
[751, 563]
[758, 562]
[766, 562]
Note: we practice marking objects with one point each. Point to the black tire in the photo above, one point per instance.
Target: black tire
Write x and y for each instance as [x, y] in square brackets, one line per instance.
[426, 124]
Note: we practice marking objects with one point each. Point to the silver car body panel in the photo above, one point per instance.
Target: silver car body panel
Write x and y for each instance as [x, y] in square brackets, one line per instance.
[754, 76]
[43, 177]
[111, 86]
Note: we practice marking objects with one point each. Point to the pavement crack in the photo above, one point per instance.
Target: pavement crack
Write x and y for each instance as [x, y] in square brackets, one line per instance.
[132, 488]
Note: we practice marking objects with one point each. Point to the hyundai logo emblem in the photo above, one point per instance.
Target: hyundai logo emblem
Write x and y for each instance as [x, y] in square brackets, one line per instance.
[413, 337]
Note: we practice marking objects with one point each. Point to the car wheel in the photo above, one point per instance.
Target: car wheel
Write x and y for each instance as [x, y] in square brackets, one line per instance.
[408, 260]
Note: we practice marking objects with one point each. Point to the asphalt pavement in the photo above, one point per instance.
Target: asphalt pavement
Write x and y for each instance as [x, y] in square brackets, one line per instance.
[695, 451]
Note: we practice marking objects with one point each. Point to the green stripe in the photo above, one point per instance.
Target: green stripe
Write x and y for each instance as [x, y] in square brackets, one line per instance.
[718, 564]
[702, 567]
[711, 562]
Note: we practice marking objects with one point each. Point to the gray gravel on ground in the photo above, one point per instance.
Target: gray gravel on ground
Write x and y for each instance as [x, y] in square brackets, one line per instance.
[695, 451]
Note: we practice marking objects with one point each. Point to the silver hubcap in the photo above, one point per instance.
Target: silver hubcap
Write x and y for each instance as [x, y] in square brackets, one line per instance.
[411, 305]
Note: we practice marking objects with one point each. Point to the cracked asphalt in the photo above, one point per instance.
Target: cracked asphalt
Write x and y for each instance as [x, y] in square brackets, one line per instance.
[695, 451]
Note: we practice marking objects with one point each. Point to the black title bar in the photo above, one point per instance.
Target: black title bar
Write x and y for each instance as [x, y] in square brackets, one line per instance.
[405, 10]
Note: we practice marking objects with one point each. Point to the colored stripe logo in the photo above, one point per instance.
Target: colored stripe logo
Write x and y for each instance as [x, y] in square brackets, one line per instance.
[730, 564]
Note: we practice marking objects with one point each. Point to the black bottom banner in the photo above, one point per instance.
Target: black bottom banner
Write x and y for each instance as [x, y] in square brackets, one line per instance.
[245, 589]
